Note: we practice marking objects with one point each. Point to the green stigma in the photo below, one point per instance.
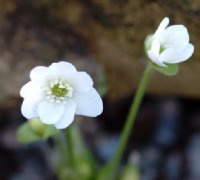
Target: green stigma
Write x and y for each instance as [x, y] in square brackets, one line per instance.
[162, 49]
[58, 91]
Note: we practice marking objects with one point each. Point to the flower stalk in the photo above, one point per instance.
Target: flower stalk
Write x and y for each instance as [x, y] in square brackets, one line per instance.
[112, 166]
[62, 156]
[70, 150]
[66, 158]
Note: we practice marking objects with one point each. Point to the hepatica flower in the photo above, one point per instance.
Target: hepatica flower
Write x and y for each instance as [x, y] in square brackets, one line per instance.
[169, 45]
[58, 92]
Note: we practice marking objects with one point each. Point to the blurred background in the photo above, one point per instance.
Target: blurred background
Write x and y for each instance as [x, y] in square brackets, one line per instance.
[104, 38]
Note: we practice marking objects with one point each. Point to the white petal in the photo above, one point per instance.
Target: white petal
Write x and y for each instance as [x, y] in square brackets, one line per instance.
[155, 58]
[155, 47]
[39, 72]
[164, 23]
[31, 90]
[68, 115]
[172, 56]
[29, 109]
[186, 53]
[50, 113]
[175, 36]
[88, 104]
[62, 68]
[80, 81]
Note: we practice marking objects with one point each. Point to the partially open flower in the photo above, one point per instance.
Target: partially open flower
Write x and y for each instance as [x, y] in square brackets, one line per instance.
[169, 45]
[58, 92]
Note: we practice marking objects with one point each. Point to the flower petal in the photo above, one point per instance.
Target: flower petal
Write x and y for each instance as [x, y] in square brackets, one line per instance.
[155, 47]
[50, 113]
[80, 81]
[68, 115]
[173, 56]
[29, 109]
[31, 90]
[164, 23]
[155, 58]
[89, 103]
[62, 68]
[186, 53]
[175, 36]
[39, 72]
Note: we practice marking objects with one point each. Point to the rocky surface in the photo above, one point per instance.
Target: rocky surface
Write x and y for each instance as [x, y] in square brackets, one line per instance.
[93, 34]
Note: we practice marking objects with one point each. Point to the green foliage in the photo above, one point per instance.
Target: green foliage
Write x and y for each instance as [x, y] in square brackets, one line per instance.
[130, 172]
[25, 134]
[82, 171]
[148, 42]
[170, 70]
[85, 164]
[33, 130]
[105, 173]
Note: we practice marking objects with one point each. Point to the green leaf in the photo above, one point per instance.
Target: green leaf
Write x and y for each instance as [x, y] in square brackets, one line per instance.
[41, 129]
[148, 42]
[105, 173]
[170, 70]
[67, 173]
[84, 168]
[25, 134]
[34, 130]
[87, 165]
[50, 131]
[130, 172]
[37, 126]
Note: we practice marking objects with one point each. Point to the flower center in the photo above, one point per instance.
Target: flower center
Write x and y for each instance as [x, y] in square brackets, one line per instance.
[58, 91]
[162, 48]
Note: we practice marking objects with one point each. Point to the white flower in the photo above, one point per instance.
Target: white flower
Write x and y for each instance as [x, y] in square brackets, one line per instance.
[170, 44]
[58, 92]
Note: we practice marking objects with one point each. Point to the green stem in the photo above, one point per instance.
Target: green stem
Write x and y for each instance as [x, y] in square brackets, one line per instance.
[62, 156]
[130, 120]
[66, 157]
[69, 141]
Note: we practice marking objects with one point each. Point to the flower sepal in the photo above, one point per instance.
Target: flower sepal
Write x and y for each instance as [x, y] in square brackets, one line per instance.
[34, 130]
[169, 70]
[147, 43]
